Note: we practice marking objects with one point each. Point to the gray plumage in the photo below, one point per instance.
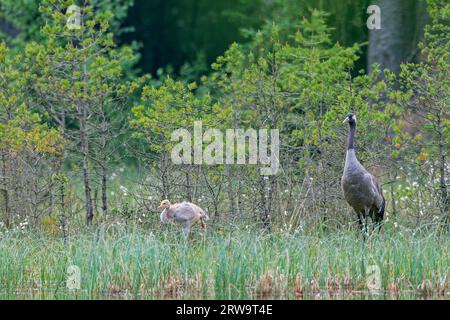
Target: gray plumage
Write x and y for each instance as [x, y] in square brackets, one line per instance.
[361, 189]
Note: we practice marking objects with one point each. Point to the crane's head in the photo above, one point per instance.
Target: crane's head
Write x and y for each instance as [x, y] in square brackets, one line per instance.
[351, 119]
[164, 204]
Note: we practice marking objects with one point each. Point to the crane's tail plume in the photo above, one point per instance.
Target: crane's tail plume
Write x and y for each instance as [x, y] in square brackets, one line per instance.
[380, 215]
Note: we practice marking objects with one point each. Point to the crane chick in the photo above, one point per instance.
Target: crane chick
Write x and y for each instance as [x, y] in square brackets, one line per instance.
[186, 213]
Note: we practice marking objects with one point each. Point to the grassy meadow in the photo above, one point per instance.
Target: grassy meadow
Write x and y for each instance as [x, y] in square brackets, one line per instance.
[129, 262]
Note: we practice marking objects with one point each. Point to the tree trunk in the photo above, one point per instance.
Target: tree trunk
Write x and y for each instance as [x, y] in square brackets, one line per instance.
[86, 178]
[231, 191]
[391, 188]
[51, 200]
[444, 205]
[6, 204]
[85, 151]
[62, 221]
[188, 186]
[95, 201]
[5, 194]
[104, 195]
[239, 193]
[264, 214]
[63, 191]
[214, 195]
[325, 183]
[422, 19]
[395, 42]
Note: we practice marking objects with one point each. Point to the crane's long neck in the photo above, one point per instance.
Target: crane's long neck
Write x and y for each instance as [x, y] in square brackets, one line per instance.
[350, 157]
[166, 214]
[163, 216]
[351, 136]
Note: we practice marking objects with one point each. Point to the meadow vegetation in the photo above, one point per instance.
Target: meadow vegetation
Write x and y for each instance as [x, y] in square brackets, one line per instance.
[123, 261]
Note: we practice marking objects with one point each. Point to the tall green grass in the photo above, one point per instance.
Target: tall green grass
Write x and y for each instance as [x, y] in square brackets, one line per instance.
[137, 263]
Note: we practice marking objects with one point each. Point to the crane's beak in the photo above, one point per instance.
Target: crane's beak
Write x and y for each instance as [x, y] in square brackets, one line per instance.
[345, 120]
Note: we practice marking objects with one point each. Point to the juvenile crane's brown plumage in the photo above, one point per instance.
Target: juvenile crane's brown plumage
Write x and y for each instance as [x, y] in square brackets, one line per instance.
[185, 213]
[361, 189]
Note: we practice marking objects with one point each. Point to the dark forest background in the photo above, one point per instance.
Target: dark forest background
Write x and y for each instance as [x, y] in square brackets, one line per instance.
[177, 35]
[179, 32]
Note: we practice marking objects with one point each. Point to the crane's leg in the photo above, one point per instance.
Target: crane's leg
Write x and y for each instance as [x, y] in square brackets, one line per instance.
[371, 228]
[186, 229]
[366, 221]
[360, 221]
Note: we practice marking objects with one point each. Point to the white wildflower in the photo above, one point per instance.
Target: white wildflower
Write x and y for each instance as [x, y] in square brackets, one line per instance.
[123, 189]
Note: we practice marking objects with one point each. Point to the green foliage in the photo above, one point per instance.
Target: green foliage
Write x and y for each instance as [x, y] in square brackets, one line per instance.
[81, 81]
[167, 108]
[50, 226]
[21, 131]
[26, 21]
[29, 149]
[424, 94]
[302, 86]
[87, 53]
